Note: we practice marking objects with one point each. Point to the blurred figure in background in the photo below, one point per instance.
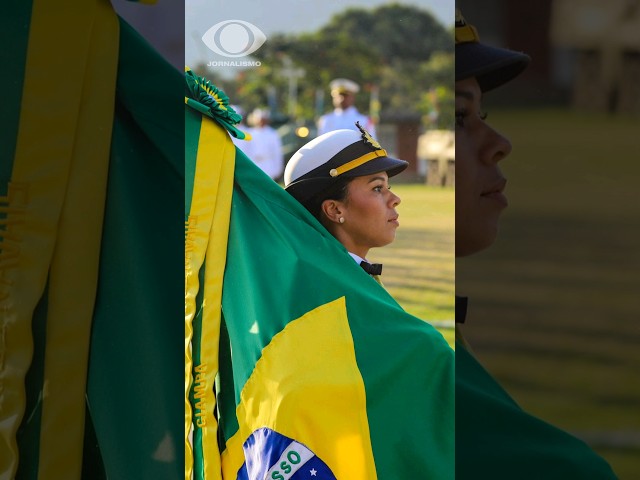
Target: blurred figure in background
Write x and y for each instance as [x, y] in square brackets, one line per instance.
[345, 114]
[265, 146]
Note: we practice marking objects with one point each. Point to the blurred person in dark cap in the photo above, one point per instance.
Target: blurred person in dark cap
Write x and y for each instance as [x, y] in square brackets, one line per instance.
[345, 114]
[342, 179]
[495, 438]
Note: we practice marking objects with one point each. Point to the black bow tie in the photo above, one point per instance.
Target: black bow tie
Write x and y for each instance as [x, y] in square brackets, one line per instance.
[461, 309]
[371, 268]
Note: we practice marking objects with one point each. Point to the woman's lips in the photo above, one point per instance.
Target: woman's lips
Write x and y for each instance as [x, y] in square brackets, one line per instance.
[495, 192]
[498, 197]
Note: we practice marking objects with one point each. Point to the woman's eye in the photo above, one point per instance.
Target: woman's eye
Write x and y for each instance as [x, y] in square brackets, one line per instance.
[461, 115]
[377, 188]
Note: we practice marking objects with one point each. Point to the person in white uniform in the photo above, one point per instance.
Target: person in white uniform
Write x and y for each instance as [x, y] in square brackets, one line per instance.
[345, 114]
[265, 146]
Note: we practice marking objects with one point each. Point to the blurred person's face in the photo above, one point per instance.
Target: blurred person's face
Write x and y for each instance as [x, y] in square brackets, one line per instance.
[369, 212]
[479, 182]
[343, 100]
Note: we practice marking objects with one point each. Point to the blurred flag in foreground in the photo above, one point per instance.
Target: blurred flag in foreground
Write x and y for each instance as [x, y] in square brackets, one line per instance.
[91, 184]
[298, 364]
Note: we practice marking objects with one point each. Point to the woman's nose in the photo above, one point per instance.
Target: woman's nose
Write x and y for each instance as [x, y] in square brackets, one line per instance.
[497, 147]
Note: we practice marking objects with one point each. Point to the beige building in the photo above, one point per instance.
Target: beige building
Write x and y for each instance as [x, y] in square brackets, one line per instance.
[605, 39]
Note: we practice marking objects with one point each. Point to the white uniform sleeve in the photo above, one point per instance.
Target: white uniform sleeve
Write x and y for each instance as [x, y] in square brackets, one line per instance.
[276, 164]
[322, 125]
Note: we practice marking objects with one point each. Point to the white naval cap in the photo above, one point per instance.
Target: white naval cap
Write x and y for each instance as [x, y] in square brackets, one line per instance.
[342, 85]
[338, 154]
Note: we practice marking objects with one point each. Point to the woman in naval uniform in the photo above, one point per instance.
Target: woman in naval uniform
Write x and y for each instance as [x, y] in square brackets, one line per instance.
[342, 178]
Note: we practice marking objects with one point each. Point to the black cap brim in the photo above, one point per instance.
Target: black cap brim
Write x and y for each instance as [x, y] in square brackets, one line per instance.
[491, 66]
[305, 188]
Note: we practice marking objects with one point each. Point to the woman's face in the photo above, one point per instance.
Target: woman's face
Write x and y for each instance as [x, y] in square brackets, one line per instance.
[369, 212]
[480, 184]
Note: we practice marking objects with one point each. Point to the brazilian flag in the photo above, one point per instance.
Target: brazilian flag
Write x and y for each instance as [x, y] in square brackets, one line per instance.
[299, 364]
[91, 189]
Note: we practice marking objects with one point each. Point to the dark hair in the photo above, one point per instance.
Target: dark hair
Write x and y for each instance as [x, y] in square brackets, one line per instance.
[337, 191]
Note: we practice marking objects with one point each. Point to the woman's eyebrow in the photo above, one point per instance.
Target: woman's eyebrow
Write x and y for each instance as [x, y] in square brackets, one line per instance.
[376, 178]
[465, 93]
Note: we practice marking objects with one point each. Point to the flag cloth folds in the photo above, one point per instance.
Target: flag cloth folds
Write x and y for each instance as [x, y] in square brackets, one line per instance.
[91, 189]
[496, 439]
[299, 364]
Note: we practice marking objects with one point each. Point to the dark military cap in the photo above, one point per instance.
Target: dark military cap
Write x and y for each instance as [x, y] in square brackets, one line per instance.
[491, 66]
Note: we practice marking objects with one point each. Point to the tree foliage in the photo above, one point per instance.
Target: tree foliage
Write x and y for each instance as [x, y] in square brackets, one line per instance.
[395, 32]
[402, 50]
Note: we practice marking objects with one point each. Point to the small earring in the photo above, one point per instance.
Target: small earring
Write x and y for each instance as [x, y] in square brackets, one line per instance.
[341, 219]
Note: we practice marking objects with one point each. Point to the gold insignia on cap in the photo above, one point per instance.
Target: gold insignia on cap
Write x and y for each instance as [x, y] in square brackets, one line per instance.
[367, 138]
[465, 33]
[333, 172]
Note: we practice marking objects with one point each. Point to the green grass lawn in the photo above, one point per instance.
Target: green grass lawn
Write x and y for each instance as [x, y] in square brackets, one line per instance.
[419, 266]
[554, 311]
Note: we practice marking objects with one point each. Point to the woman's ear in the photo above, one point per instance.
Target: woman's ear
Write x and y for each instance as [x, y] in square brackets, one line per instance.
[333, 211]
